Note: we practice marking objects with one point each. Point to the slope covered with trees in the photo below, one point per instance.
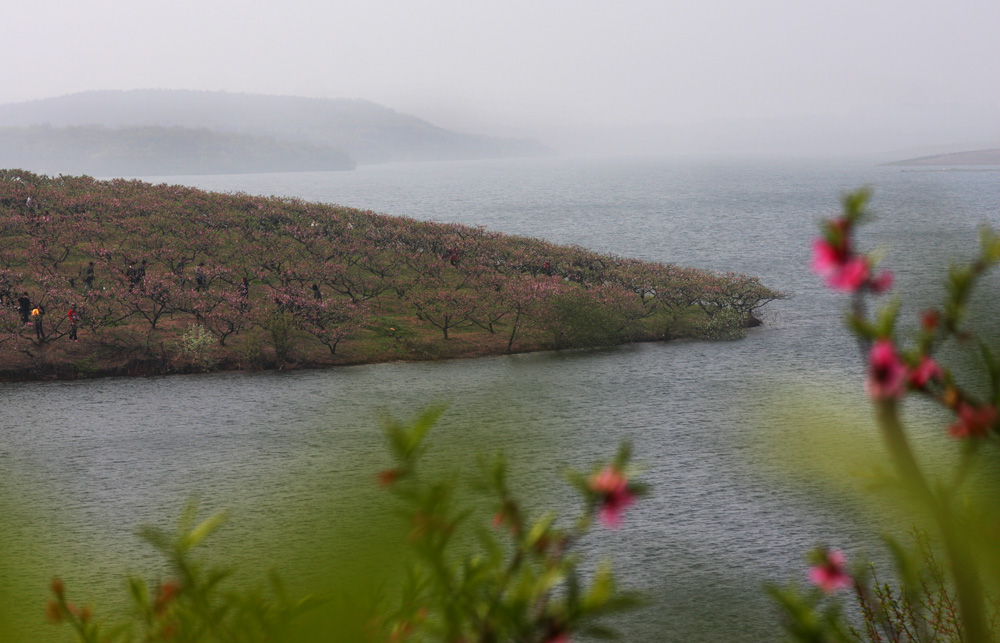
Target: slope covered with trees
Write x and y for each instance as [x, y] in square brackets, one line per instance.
[167, 278]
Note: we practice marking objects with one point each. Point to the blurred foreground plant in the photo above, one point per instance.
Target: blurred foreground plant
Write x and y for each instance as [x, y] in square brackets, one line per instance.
[507, 579]
[515, 580]
[951, 600]
[192, 604]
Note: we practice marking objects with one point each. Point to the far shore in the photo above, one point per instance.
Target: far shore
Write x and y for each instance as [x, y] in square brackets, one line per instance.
[972, 158]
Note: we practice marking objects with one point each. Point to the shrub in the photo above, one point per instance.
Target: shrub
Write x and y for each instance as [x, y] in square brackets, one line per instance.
[280, 327]
[727, 324]
[577, 320]
[196, 348]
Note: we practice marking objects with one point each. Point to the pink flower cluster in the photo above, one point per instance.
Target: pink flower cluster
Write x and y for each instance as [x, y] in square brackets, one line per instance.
[829, 573]
[973, 421]
[835, 261]
[612, 486]
[889, 376]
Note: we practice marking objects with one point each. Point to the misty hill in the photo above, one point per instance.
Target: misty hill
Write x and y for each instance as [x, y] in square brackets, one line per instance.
[977, 157]
[368, 132]
[143, 151]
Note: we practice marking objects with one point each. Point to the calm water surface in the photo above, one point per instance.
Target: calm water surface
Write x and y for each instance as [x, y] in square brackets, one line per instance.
[103, 457]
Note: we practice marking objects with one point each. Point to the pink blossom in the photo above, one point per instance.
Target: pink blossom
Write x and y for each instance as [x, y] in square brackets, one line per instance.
[827, 259]
[841, 269]
[930, 319]
[881, 282]
[829, 573]
[616, 498]
[926, 371]
[886, 372]
[852, 275]
[973, 422]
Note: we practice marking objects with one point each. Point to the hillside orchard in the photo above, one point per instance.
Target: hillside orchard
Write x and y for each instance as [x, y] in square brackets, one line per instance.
[165, 278]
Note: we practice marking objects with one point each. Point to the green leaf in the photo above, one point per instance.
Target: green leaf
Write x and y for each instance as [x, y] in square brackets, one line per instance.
[540, 529]
[423, 425]
[188, 516]
[156, 537]
[855, 204]
[579, 481]
[887, 318]
[623, 456]
[989, 245]
[406, 441]
[549, 579]
[992, 367]
[203, 530]
[601, 588]
[139, 591]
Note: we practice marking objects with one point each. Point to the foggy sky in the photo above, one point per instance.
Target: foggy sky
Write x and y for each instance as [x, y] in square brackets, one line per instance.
[581, 75]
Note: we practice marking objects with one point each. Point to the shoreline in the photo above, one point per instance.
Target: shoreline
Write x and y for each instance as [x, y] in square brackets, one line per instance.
[154, 367]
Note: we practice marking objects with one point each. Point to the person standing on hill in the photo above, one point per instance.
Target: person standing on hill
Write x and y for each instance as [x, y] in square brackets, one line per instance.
[244, 291]
[179, 271]
[74, 320]
[24, 307]
[88, 276]
[199, 276]
[37, 313]
[130, 275]
[138, 277]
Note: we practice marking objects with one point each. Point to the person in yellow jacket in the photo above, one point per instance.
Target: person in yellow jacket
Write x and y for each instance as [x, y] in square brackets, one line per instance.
[37, 313]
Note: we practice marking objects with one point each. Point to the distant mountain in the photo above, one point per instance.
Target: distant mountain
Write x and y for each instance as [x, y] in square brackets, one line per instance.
[368, 132]
[145, 151]
[977, 157]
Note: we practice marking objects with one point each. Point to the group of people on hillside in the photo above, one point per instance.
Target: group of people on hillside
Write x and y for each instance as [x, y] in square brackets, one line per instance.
[135, 275]
[34, 315]
[31, 315]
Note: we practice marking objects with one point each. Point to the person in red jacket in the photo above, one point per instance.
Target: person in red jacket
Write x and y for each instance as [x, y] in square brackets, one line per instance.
[74, 321]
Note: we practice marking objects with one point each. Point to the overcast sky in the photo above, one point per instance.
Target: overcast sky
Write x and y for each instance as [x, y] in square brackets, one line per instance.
[541, 68]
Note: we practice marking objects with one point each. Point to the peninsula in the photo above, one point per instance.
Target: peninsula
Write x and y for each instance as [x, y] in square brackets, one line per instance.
[123, 277]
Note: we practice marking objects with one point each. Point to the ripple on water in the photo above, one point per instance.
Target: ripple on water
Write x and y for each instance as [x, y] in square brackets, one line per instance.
[102, 457]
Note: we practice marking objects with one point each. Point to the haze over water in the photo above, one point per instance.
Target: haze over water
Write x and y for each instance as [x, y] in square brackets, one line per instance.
[105, 456]
[582, 77]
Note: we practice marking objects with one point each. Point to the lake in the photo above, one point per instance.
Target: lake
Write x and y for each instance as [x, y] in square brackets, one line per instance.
[722, 429]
